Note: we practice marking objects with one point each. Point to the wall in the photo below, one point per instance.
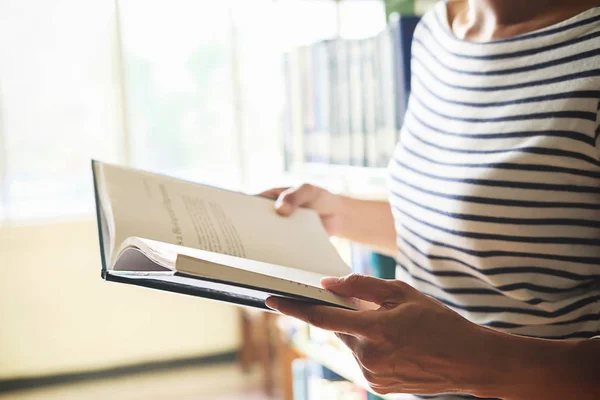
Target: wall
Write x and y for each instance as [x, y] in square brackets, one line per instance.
[57, 315]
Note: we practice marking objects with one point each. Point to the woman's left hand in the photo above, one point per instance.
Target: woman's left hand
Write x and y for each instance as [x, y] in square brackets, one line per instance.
[411, 344]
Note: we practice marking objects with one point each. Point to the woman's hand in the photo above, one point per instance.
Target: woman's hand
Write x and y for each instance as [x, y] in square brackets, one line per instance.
[369, 222]
[328, 205]
[410, 344]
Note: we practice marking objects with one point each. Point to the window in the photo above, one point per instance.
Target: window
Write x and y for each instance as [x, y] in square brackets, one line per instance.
[185, 87]
[59, 103]
[178, 62]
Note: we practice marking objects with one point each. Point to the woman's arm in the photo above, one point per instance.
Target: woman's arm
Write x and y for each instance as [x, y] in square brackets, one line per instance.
[369, 222]
[528, 368]
[364, 221]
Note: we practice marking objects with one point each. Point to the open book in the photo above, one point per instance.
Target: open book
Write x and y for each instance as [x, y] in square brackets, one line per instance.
[164, 233]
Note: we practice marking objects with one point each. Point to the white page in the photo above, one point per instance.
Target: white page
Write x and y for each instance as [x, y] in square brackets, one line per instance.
[168, 210]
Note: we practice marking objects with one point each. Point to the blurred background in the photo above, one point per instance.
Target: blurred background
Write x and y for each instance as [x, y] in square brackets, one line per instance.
[198, 89]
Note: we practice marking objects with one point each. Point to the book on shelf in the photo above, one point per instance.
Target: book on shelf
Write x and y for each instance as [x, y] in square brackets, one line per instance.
[346, 99]
[312, 381]
[368, 262]
[287, 123]
[322, 101]
[342, 148]
[168, 234]
[294, 116]
[403, 28]
[370, 148]
[408, 7]
[308, 104]
[357, 128]
[335, 156]
[386, 133]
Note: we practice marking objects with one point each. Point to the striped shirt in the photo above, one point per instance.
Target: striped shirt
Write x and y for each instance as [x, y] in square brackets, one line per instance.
[495, 184]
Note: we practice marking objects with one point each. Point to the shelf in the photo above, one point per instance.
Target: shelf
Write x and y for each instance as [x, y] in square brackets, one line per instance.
[371, 173]
[340, 362]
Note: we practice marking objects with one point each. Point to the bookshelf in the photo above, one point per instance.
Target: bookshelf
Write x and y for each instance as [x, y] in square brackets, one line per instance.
[298, 345]
[344, 105]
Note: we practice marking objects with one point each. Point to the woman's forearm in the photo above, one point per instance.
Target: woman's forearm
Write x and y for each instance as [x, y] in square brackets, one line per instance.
[522, 368]
[369, 222]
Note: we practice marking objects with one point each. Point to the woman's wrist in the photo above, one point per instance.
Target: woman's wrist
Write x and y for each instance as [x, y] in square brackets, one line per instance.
[344, 205]
[369, 222]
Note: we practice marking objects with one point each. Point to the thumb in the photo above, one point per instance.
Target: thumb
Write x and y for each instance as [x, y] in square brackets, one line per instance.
[375, 290]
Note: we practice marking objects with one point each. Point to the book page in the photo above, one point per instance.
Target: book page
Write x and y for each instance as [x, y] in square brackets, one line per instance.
[187, 214]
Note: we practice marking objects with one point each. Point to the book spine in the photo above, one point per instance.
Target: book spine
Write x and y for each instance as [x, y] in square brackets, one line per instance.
[403, 27]
[383, 267]
[343, 146]
[300, 376]
[308, 102]
[317, 98]
[370, 153]
[287, 121]
[333, 102]
[357, 142]
[361, 259]
[297, 155]
[387, 139]
[322, 103]
[422, 6]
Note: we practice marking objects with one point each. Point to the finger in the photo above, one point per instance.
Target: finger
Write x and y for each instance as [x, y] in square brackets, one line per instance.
[324, 317]
[379, 291]
[272, 193]
[290, 199]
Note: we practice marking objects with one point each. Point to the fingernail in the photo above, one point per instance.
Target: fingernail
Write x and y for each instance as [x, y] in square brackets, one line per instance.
[330, 281]
[272, 302]
[282, 207]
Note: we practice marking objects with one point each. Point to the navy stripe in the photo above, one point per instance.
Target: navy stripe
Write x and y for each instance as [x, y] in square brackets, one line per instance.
[576, 94]
[478, 291]
[520, 53]
[540, 82]
[532, 150]
[581, 137]
[505, 238]
[503, 253]
[497, 270]
[508, 166]
[462, 396]
[515, 310]
[501, 202]
[510, 325]
[500, 72]
[545, 289]
[502, 220]
[587, 116]
[507, 184]
[540, 33]
[574, 335]
[497, 290]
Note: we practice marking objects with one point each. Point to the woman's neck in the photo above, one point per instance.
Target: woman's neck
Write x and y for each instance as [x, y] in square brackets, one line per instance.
[484, 20]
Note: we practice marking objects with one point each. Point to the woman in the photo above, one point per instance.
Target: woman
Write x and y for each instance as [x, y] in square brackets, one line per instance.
[493, 215]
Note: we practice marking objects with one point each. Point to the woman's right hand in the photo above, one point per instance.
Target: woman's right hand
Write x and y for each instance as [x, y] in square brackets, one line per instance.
[328, 205]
